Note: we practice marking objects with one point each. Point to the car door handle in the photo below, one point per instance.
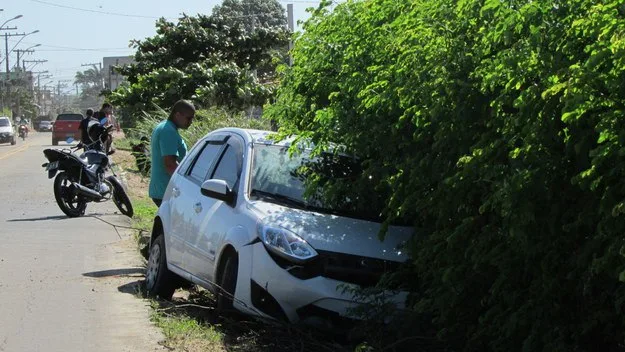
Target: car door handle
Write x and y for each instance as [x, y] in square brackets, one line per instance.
[198, 207]
[175, 192]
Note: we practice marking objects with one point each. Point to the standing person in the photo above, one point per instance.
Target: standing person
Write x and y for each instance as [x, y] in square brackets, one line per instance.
[107, 119]
[168, 148]
[84, 125]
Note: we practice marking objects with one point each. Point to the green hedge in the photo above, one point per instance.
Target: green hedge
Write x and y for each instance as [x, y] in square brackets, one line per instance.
[499, 126]
[205, 121]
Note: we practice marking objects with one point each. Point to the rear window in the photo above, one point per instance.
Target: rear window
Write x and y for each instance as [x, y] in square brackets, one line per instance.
[44, 122]
[69, 117]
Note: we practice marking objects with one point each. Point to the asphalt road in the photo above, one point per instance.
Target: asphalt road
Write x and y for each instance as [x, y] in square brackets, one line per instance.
[65, 284]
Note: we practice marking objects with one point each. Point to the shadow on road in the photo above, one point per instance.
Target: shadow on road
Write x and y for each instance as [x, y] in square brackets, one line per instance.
[54, 217]
[129, 272]
[133, 288]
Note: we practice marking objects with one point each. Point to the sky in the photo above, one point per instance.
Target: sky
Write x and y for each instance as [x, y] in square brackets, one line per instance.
[73, 33]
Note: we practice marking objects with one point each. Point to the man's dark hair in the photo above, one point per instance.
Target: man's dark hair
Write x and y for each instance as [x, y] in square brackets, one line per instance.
[181, 106]
[106, 105]
[89, 112]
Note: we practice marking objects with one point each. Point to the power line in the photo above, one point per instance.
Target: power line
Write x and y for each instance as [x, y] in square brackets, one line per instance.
[72, 48]
[93, 11]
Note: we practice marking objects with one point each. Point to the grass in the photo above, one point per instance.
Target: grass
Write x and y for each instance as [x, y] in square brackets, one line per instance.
[189, 322]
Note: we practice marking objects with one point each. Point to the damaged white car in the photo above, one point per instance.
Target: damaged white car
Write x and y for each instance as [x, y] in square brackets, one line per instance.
[234, 219]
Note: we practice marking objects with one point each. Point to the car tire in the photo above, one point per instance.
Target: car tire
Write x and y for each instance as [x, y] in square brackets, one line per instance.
[227, 282]
[159, 281]
[13, 141]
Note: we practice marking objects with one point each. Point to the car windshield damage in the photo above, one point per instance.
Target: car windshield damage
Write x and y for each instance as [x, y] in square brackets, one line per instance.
[298, 181]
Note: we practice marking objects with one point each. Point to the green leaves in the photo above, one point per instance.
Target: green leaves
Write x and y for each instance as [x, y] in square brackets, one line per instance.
[498, 126]
[216, 60]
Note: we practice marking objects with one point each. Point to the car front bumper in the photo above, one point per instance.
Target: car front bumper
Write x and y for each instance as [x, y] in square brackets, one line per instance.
[308, 300]
[6, 138]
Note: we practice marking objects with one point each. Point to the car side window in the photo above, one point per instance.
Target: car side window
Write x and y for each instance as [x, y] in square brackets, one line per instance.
[202, 165]
[229, 167]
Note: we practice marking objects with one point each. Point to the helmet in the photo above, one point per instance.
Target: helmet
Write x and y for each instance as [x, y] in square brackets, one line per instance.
[96, 131]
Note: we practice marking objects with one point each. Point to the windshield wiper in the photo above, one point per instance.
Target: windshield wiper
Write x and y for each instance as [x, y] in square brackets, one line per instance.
[281, 198]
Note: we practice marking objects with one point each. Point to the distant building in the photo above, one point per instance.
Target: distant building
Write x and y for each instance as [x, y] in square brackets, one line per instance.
[112, 79]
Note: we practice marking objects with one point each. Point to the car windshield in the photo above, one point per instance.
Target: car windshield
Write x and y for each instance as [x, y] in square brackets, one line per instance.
[281, 178]
[44, 123]
[4, 123]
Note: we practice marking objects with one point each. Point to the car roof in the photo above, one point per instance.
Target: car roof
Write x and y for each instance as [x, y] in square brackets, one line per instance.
[255, 136]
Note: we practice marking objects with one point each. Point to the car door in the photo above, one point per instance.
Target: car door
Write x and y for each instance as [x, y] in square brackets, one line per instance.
[216, 217]
[184, 189]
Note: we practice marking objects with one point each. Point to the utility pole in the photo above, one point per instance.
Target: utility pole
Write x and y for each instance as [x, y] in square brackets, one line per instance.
[19, 52]
[289, 11]
[39, 88]
[33, 61]
[6, 48]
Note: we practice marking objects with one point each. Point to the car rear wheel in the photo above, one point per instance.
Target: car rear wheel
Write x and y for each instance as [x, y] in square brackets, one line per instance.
[159, 281]
[227, 282]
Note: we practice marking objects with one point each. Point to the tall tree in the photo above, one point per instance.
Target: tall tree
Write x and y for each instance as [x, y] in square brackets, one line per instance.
[252, 14]
[91, 83]
[212, 59]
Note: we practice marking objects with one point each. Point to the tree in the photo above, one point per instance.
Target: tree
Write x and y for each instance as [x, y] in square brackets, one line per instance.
[91, 82]
[211, 59]
[498, 127]
[252, 14]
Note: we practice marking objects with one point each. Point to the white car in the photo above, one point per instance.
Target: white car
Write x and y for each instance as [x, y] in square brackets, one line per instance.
[7, 134]
[234, 218]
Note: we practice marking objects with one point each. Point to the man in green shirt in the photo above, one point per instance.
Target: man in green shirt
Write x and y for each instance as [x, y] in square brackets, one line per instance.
[168, 148]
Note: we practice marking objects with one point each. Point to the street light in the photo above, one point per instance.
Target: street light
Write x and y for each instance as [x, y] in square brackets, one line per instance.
[10, 19]
[22, 38]
[34, 46]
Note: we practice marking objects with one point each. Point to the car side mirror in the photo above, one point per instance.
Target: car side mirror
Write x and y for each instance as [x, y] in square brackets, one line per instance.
[218, 189]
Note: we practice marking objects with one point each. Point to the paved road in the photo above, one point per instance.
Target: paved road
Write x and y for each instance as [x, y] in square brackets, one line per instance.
[65, 284]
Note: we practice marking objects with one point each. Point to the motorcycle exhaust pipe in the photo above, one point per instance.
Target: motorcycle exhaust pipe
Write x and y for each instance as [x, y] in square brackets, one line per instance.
[87, 192]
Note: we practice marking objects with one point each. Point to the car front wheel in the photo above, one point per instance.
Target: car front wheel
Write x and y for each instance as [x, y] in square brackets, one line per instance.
[227, 282]
[159, 281]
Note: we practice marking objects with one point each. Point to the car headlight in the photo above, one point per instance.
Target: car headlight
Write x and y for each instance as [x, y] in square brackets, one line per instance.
[285, 243]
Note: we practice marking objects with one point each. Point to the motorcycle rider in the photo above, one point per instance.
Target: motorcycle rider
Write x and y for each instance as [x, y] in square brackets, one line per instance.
[23, 124]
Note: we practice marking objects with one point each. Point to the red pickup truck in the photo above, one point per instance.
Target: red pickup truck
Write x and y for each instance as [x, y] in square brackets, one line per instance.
[66, 126]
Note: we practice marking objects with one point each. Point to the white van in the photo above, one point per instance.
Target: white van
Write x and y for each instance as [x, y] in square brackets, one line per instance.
[7, 135]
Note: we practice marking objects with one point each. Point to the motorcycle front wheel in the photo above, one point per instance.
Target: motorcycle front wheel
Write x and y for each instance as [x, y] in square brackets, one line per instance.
[71, 204]
[120, 198]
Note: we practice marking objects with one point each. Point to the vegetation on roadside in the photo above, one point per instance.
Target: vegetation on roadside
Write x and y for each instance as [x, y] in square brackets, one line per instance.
[498, 128]
[225, 59]
[205, 120]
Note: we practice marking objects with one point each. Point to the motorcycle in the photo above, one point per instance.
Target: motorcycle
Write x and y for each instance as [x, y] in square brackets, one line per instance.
[23, 132]
[85, 178]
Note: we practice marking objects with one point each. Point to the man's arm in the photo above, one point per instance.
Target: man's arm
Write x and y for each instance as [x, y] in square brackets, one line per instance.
[170, 163]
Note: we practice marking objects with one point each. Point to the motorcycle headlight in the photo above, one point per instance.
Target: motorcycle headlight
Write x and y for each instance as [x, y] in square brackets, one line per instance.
[285, 243]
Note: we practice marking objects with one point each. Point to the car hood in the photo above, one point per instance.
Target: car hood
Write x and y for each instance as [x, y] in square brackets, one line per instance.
[5, 129]
[337, 233]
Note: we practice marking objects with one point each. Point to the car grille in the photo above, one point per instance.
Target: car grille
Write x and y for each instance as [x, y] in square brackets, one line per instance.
[354, 269]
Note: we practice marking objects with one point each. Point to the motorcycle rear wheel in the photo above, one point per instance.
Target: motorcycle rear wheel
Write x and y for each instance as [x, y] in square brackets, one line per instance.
[120, 198]
[71, 204]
